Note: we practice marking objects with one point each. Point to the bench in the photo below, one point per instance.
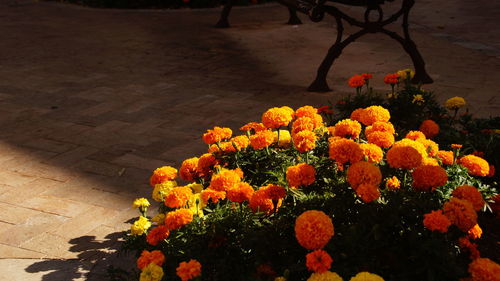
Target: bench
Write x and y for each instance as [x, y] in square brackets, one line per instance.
[316, 10]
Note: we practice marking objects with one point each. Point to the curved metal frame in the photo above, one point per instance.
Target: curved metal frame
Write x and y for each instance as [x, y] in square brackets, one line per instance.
[317, 13]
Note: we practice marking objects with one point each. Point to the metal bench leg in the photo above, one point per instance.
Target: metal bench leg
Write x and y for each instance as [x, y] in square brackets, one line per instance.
[293, 19]
[223, 20]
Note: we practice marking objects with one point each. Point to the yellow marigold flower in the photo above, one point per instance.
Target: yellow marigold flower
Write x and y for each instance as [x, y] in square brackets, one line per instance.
[304, 141]
[345, 150]
[240, 142]
[318, 261]
[325, 276]
[406, 74]
[431, 147]
[262, 139]
[140, 203]
[461, 213]
[393, 184]
[161, 190]
[366, 276]
[356, 114]
[368, 192]
[415, 135]
[484, 269]
[300, 175]
[437, 221]
[240, 192]
[381, 127]
[382, 139]
[196, 204]
[152, 272]
[178, 197]
[280, 278]
[218, 134]
[140, 226]
[373, 114]
[430, 161]
[285, 138]
[313, 229]
[225, 179]
[418, 99]
[163, 174]
[454, 103]
[347, 128]
[471, 194]
[276, 117]
[475, 232]
[178, 218]
[429, 128]
[188, 270]
[406, 154]
[363, 173]
[188, 170]
[428, 177]
[446, 156]
[159, 219]
[476, 165]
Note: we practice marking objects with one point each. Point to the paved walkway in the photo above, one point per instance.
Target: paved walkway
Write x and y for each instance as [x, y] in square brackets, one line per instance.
[91, 101]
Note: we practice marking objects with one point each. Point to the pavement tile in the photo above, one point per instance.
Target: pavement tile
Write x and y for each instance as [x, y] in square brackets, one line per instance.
[132, 160]
[57, 205]
[10, 252]
[13, 214]
[35, 187]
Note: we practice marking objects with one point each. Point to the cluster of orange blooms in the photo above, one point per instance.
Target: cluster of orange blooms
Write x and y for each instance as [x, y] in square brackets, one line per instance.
[282, 127]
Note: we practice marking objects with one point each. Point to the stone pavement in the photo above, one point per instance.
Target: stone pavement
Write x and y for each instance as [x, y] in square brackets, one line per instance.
[91, 101]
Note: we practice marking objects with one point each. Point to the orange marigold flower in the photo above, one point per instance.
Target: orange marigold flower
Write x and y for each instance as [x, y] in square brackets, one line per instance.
[382, 139]
[216, 135]
[476, 166]
[325, 109]
[188, 270]
[373, 114]
[381, 127]
[205, 164]
[300, 175]
[492, 171]
[368, 192]
[475, 232]
[274, 192]
[304, 141]
[415, 135]
[392, 184]
[163, 174]
[429, 128]
[178, 197]
[307, 111]
[363, 173]
[367, 76]
[225, 179]
[406, 154]
[148, 257]
[392, 79]
[302, 124]
[446, 156]
[276, 117]
[347, 128]
[456, 146]
[467, 246]
[214, 195]
[431, 147]
[437, 221]
[356, 114]
[428, 177]
[345, 150]
[356, 81]
[253, 126]
[157, 234]
[260, 202]
[178, 218]
[461, 213]
[262, 139]
[484, 269]
[313, 229]
[471, 194]
[189, 168]
[318, 261]
[240, 192]
[240, 142]
[224, 147]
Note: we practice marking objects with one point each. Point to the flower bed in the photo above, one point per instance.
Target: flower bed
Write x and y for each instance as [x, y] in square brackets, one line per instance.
[311, 195]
